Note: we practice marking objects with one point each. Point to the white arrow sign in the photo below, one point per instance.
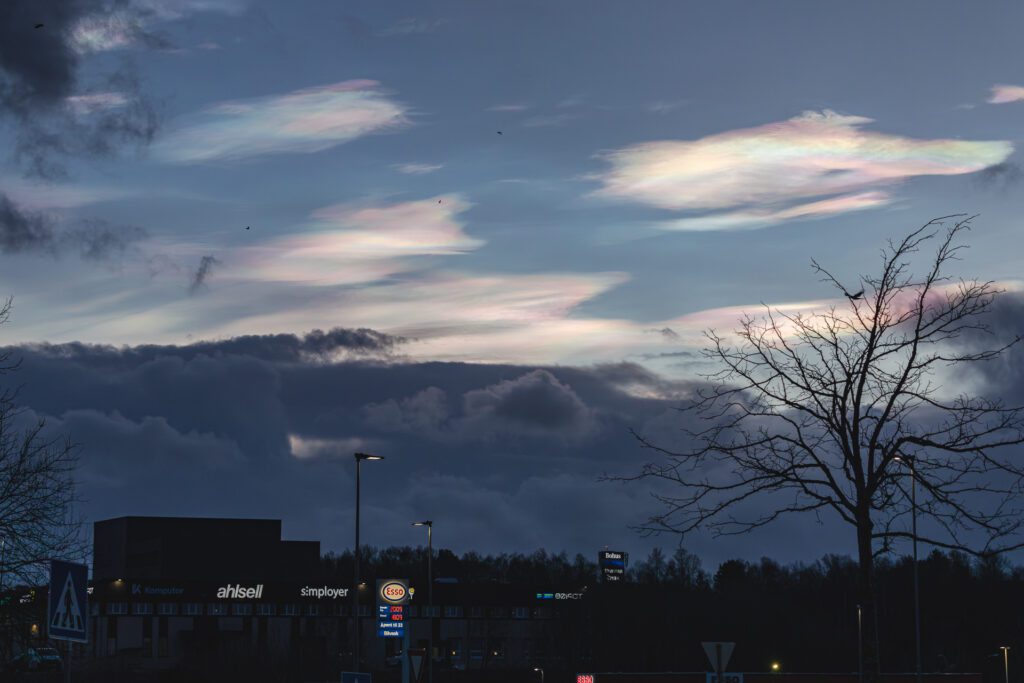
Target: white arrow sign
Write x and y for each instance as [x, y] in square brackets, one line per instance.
[718, 654]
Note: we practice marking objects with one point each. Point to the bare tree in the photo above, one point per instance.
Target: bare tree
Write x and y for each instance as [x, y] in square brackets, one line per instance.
[37, 497]
[824, 410]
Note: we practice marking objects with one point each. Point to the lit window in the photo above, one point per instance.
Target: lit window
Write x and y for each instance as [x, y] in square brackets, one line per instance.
[266, 609]
[476, 648]
[521, 612]
[311, 610]
[476, 612]
[216, 609]
[167, 608]
[452, 611]
[192, 609]
[290, 610]
[117, 608]
[142, 608]
[241, 609]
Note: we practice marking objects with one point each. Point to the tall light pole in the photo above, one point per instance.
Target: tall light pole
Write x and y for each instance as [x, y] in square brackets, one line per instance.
[360, 457]
[1006, 663]
[537, 668]
[430, 595]
[909, 461]
[860, 648]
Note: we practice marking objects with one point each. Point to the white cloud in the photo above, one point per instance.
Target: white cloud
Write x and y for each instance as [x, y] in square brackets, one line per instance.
[93, 102]
[766, 174]
[1002, 94]
[309, 120]
[411, 25]
[418, 169]
[508, 107]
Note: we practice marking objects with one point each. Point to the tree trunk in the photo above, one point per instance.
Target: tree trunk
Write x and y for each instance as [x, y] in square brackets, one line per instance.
[866, 595]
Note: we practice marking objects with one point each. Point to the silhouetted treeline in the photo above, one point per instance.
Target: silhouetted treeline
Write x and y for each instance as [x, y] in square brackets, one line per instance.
[803, 615]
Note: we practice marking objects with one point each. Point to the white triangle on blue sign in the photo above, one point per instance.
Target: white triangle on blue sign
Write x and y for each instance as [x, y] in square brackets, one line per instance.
[68, 615]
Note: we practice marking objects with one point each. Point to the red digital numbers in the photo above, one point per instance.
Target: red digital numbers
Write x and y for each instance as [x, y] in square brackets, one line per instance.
[584, 678]
[397, 608]
[396, 617]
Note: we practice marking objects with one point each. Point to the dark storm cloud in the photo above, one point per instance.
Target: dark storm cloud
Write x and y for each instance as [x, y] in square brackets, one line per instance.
[23, 231]
[202, 272]
[39, 71]
[534, 403]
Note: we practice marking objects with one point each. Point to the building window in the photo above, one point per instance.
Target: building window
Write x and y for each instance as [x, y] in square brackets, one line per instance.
[476, 612]
[499, 613]
[476, 648]
[216, 609]
[311, 610]
[544, 612]
[192, 609]
[266, 609]
[290, 610]
[241, 609]
[452, 611]
[434, 611]
[412, 611]
[142, 608]
[167, 608]
[521, 612]
[340, 610]
[117, 608]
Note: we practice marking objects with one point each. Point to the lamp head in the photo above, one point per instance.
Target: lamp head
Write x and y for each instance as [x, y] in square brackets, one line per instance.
[367, 456]
[425, 522]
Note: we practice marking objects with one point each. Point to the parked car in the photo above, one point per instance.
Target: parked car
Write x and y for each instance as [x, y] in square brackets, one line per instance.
[37, 659]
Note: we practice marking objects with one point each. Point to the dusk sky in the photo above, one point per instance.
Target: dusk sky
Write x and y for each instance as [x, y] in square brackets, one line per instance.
[245, 238]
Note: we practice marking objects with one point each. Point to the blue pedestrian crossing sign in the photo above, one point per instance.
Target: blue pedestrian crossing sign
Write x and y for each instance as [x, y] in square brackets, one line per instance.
[67, 613]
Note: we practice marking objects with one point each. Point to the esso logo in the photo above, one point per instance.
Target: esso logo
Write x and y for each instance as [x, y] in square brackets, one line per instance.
[393, 592]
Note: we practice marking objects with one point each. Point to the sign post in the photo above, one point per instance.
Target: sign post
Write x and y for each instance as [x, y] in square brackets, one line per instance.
[67, 606]
[718, 655]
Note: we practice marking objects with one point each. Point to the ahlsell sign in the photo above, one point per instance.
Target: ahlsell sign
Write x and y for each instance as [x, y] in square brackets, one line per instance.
[227, 590]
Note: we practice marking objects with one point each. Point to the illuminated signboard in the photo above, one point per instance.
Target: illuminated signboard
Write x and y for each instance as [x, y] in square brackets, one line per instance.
[613, 564]
[584, 678]
[392, 597]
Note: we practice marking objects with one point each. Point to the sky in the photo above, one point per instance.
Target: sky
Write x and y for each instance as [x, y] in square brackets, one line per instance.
[245, 238]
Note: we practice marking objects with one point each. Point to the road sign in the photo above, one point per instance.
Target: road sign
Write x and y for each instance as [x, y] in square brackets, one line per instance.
[353, 677]
[417, 655]
[67, 611]
[718, 654]
[728, 678]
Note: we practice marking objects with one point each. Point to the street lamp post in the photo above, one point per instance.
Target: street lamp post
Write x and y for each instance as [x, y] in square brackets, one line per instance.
[355, 612]
[537, 668]
[910, 462]
[430, 595]
[1006, 663]
[860, 648]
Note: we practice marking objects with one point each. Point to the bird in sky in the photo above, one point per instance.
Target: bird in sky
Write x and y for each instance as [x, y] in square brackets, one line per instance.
[500, 133]
[247, 227]
[39, 25]
[854, 297]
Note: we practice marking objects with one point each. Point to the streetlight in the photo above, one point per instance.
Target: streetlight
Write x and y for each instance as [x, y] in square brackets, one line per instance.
[1006, 663]
[360, 457]
[430, 595]
[860, 648]
[537, 668]
[910, 462]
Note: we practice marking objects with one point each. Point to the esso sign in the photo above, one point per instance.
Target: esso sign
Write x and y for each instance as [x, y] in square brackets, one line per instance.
[394, 592]
[584, 678]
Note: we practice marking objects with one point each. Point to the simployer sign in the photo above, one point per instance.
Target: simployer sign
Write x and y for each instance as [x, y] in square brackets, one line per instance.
[229, 590]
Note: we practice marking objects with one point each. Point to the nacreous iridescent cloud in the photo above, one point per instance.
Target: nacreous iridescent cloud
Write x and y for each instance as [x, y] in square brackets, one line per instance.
[767, 174]
[309, 120]
[1002, 94]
